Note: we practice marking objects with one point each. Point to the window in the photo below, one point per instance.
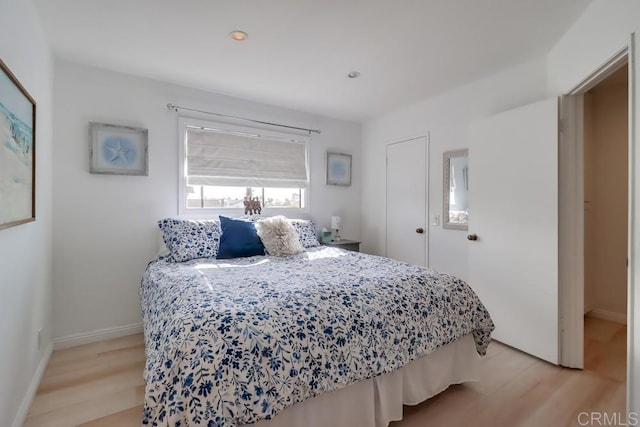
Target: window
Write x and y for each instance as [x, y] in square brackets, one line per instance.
[222, 164]
[209, 196]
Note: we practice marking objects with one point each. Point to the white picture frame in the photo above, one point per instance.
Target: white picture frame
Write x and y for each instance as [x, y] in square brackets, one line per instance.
[118, 150]
[338, 169]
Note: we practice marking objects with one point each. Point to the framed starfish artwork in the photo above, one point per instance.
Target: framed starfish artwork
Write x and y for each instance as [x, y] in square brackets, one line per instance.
[118, 150]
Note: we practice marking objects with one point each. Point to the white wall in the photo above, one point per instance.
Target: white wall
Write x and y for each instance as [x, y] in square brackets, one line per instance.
[105, 226]
[25, 250]
[446, 119]
[602, 31]
[606, 233]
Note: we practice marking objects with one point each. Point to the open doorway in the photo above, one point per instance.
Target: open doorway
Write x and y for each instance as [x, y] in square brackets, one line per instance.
[605, 139]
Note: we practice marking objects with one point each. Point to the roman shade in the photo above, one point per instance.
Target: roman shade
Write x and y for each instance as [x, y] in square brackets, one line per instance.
[219, 158]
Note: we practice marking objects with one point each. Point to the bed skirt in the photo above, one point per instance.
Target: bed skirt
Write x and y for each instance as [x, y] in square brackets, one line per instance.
[378, 401]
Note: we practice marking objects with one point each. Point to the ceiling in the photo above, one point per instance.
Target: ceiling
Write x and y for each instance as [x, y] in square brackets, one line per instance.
[299, 52]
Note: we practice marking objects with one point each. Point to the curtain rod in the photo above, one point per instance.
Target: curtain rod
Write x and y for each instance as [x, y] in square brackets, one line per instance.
[177, 107]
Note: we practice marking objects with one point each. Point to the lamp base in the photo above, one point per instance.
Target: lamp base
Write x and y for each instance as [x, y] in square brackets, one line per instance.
[336, 235]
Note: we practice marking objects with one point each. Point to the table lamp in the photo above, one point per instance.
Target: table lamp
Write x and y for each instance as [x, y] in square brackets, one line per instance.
[336, 224]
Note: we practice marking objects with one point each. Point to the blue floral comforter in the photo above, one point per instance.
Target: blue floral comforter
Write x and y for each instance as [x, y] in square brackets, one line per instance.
[237, 341]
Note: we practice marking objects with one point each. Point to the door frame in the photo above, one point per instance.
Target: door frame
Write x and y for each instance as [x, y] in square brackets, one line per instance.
[427, 156]
[571, 238]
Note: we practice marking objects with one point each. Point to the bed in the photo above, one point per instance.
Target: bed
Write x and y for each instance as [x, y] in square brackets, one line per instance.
[303, 339]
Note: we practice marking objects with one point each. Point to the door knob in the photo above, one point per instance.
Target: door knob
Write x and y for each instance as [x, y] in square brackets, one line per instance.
[472, 237]
[419, 230]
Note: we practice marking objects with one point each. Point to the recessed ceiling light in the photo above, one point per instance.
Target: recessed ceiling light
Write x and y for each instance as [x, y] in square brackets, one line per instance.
[238, 35]
[353, 74]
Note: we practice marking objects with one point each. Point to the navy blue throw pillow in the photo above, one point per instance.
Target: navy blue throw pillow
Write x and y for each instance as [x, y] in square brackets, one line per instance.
[239, 239]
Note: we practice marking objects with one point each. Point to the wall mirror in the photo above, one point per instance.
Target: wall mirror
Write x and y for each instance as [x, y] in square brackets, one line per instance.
[456, 190]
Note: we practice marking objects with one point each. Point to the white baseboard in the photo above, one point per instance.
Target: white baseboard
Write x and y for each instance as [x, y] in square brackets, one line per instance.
[23, 410]
[95, 336]
[608, 315]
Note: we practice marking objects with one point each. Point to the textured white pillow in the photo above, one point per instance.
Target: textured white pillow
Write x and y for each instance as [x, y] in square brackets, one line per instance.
[278, 236]
[163, 250]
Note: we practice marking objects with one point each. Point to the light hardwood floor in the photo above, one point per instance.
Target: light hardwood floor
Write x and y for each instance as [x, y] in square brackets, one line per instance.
[101, 385]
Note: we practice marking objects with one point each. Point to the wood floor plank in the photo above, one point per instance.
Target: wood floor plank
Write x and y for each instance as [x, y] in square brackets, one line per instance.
[83, 351]
[134, 352]
[600, 330]
[83, 412]
[92, 372]
[503, 367]
[581, 393]
[84, 391]
[101, 384]
[127, 418]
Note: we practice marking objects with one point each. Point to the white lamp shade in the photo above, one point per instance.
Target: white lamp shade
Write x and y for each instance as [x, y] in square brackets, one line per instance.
[336, 222]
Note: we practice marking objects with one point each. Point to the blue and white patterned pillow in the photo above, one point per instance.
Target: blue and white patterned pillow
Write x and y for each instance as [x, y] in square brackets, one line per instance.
[307, 233]
[190, 239]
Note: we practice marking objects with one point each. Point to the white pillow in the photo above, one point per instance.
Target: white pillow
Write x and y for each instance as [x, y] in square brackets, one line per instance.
[278, 236]
[163, 250]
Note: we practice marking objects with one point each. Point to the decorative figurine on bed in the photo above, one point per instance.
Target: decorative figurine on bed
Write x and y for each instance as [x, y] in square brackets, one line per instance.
[252, 206]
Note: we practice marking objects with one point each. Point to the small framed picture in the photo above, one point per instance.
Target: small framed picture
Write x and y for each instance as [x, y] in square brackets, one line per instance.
[338, 169]
[118, 150]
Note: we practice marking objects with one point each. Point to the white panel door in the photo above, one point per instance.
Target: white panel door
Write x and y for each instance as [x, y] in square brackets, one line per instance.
[407, 201]
[513, 211]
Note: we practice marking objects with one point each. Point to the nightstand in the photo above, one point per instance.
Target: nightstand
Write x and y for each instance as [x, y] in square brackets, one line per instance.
[350, 245]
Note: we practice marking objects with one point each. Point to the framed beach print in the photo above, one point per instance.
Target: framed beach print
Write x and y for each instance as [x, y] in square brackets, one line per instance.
[118, 150]
[17, 151]
[338, 169]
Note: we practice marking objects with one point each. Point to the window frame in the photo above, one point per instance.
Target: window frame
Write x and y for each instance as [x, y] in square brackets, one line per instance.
[183, 210]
